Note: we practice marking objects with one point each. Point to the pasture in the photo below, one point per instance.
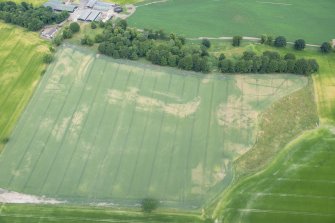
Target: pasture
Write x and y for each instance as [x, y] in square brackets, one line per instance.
[20, 69]
[297, 187]
[308, 19]
[100, 130]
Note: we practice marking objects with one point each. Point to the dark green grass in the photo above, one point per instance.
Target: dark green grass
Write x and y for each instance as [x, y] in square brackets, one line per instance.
[12, 213]
[309, 19]
[297, 187]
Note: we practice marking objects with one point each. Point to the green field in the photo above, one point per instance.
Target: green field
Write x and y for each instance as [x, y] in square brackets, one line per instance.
[100, 130]
[20, 69]
[308, 19]
[297, 187]
[23, 213]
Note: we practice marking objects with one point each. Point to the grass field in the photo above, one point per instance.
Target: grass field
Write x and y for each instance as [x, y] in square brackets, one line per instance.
[297, 187]
[20, 69]
[294, 19]
[100, 130]
[19, 213]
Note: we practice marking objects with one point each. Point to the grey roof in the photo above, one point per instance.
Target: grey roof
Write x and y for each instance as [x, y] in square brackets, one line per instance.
[91, 3]
[94, 14]
[58, 6]
[103, 6]
[83, 16]
[50, 32]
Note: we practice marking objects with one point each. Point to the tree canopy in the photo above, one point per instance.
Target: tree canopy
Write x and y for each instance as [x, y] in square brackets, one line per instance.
[326, 47]
[149, 204]
[120, 41]
[280, 41]
[74, 27]
[268, 62]
[28, 16]
[299, 44]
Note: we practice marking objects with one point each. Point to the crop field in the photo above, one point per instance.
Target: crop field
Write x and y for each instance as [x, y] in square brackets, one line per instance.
[294, 19]
[102, 130]
[20, 68]
[297, 187]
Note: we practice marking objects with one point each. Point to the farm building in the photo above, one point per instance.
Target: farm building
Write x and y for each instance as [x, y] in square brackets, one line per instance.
[84, 15]
[93, 15]
[49, 32]
[91, 3]
[103, 6]
[89, 15]
[59, 6]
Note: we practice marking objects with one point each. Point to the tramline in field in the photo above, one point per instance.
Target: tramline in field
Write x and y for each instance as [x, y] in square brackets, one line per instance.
[102, 130]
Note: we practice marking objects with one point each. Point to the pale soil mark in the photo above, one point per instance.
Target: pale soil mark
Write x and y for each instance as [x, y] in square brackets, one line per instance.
[275, 3]
[19, 198]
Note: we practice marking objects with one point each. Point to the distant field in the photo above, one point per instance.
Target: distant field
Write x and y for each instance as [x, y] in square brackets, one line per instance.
[20, 68]
[297, 187]
[100, 130]
[294, 19]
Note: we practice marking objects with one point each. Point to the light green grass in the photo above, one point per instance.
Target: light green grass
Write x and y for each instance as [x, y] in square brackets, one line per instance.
[100, 130]
[309, 19]
[34, 2]
[297, 187]
[69, 214]
[20, 69]
[280, 124]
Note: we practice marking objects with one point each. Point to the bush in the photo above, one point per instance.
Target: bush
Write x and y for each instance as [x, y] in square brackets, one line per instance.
[237, 40]
[87, 41]
[67, 33]
[206, 43]
[269, 41]
[326, 47]
[280, 41]
[74, 27]
[48, 58]
[222, 57]
[264, 39]
[289, 56]
[57, 40]
[149, 204]
[99, 38]
[122, 23]
[299, 44]
[4, 140]
[93, 25]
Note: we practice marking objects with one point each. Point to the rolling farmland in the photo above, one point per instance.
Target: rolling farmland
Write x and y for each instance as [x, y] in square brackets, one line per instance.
[101, 130]
[294, 19]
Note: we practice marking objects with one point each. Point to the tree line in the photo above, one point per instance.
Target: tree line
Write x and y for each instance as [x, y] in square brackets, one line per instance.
[268, 62]
[120, 41]
[28, 16]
